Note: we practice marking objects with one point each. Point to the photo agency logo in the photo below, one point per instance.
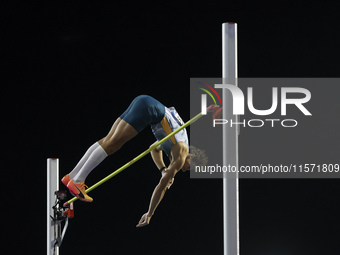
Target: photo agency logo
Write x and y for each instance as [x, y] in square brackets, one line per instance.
[297, 97]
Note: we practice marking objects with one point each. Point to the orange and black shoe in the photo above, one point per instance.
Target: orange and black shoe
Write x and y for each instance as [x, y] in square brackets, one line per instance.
[78, 190]
[65, 180]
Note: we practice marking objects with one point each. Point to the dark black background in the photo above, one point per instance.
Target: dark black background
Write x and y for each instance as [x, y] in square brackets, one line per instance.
[69, 70]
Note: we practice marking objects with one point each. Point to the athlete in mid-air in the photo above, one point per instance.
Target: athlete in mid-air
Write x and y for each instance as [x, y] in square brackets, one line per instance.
[143, 111]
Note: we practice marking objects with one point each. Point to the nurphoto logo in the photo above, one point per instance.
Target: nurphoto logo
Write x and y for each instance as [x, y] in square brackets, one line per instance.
[238, 105]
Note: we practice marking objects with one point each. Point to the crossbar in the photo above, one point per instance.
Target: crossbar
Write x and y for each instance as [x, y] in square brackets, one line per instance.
[138, 157]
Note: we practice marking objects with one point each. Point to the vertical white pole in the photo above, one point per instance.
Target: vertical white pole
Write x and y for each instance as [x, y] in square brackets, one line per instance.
[204, 104]
[230, 142]
[52, 186]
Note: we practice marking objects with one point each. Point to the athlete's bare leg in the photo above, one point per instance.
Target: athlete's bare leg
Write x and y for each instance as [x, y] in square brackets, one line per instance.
[112, 130]
[120, 133]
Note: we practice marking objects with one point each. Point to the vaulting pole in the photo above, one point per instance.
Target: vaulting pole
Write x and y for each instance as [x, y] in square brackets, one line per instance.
[138, 157]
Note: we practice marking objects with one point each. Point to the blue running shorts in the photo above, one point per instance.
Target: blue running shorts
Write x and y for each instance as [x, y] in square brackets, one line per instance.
[143, 111]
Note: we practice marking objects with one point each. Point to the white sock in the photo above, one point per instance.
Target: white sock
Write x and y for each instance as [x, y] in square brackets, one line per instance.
[96, 157]
[80, 164]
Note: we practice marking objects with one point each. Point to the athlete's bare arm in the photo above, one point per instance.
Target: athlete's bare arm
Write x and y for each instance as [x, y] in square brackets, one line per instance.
[157, 156]
[179, 154]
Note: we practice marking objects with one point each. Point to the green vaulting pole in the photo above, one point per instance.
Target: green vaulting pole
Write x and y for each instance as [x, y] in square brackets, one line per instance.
[139, 156]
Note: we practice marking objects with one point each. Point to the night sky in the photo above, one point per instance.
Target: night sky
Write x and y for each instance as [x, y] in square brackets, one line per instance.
[71, 68]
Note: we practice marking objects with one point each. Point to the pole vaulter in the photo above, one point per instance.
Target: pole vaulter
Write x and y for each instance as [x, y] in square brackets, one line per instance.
[215, 109]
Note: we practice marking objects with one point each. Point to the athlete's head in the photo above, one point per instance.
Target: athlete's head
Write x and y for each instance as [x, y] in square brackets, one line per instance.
[196, 157]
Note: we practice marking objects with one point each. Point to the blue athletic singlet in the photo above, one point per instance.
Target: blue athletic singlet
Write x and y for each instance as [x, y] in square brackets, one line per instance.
[170, 123]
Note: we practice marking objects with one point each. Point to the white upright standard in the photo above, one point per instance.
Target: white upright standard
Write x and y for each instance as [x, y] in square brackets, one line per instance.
[52, 186]
[230, 142]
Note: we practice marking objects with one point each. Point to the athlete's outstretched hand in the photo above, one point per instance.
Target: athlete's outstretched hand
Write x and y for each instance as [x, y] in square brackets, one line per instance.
[144, 221]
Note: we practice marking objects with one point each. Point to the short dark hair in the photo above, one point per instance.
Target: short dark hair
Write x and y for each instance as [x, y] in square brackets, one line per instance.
[198, 156]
